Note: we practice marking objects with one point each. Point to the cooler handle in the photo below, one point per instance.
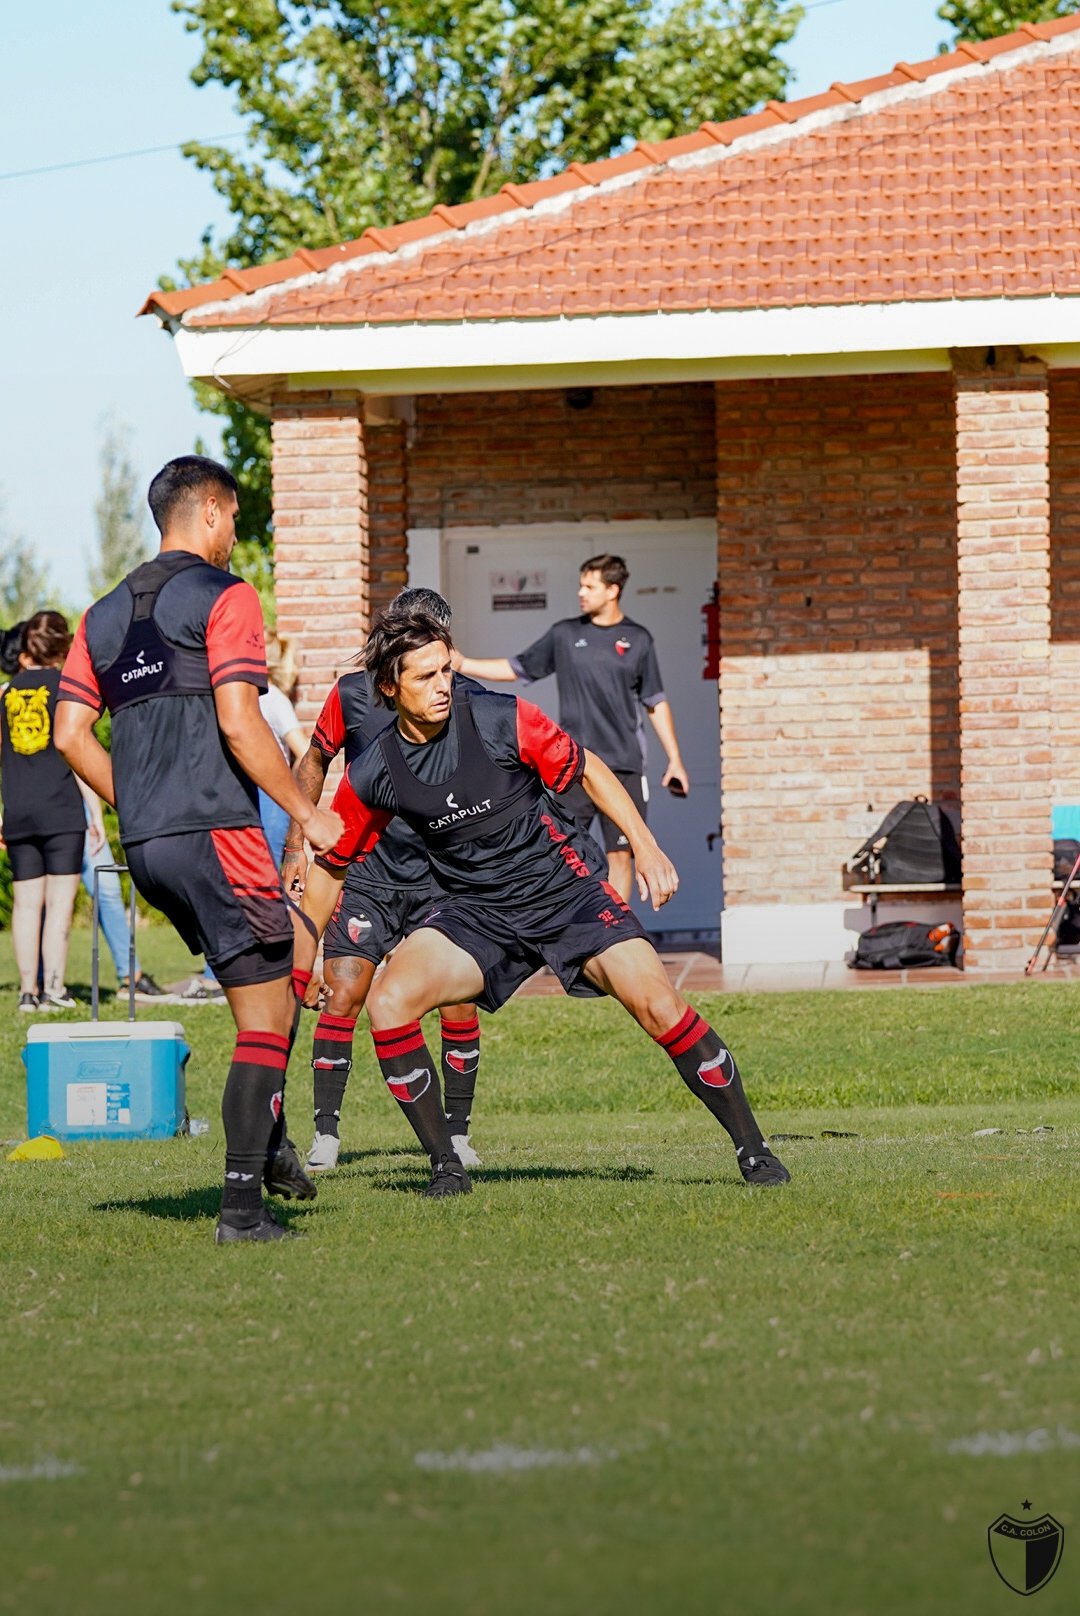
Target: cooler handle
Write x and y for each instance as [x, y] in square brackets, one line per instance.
[99, 870]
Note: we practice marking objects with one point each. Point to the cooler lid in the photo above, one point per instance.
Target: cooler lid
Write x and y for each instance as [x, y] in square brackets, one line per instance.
[62, 1032]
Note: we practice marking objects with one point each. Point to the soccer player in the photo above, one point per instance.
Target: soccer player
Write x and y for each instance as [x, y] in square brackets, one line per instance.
[384, 897]
[606, 671]
[175, 653]
[467, 771]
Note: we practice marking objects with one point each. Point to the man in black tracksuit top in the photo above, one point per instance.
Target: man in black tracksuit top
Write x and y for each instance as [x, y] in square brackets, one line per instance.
[478, 776]
[384, 898]
[175, 653]
[607, 676]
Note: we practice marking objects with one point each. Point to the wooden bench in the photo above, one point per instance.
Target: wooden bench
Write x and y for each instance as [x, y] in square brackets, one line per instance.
[885, 889]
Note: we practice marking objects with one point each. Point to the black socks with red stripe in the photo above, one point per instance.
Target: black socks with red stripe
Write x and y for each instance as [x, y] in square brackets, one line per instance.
[251, 1109]
[707, 1067]
[410, 1074]
[460, 1061]
[331, 1063]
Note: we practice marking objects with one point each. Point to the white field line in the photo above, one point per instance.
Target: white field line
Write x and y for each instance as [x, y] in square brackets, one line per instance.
[503, 1458]
[1004, 1444]
[44, 1470]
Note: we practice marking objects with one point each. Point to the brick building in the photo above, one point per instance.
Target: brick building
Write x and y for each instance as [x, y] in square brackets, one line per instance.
[830, 354]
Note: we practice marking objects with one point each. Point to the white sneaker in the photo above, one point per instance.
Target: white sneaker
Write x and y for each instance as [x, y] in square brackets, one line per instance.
[465, 1153]
[323, 1154]
[57, 1001]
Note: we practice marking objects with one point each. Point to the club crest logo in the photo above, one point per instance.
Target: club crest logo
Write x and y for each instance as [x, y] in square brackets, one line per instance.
[399, 1086]
[463, 1060]
[1025, 1554]
[277, 1102]
[622, 646]
[358, 926]
[712, 1072]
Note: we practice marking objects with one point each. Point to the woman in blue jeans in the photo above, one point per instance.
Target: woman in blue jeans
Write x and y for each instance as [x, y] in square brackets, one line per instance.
[112, 911]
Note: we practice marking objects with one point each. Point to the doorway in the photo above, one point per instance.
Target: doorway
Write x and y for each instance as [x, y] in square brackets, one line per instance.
[507, 584]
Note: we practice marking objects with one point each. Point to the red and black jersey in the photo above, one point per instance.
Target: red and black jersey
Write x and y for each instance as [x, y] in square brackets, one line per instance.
[153, 651]
[350, 720]
[475, 798]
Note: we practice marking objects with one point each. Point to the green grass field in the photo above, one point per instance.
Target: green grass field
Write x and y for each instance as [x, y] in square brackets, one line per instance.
[612, 1380]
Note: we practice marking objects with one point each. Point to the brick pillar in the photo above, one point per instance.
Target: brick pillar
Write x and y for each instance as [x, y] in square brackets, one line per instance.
[1003, 514]
[321, 535]
[387, 491]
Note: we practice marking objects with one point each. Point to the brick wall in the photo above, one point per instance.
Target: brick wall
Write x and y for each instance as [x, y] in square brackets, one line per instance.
[635, 452]
[1003, 520]
[1065, 585]
[837, 545]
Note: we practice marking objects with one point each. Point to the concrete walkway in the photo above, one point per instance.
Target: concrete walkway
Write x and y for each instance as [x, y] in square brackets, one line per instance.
[695, 972]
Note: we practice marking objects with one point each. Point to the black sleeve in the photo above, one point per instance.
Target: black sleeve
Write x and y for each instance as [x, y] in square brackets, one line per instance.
[538, 660]
[650, 684]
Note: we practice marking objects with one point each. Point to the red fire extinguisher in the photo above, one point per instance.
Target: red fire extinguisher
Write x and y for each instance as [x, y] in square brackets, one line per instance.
[710, 635]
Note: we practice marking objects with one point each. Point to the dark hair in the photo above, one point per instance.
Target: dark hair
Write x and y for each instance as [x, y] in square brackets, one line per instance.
[46, 638]
[393, 635]
[182, 482]
[427, 602]
[612, 569]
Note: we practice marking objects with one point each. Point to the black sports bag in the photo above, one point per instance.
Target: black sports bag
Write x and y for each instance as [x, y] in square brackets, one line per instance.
[901, 943]
[915, 845]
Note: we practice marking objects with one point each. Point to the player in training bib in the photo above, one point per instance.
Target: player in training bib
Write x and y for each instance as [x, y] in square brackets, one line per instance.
[477, 776]
[384, 897]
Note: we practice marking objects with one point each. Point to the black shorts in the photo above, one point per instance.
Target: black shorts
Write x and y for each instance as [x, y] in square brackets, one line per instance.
[34, 856]
[222, 893]
[581, 807]
[510, 944]
[369, 920]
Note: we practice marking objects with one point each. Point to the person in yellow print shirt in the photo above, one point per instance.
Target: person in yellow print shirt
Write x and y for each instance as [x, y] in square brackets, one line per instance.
[44, 821]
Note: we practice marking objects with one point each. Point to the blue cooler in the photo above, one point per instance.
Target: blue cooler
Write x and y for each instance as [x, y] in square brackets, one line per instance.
[106, 1079]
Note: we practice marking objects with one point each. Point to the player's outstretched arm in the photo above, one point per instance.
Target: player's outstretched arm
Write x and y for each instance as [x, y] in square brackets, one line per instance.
[251, 742]
[310, 776]
[81, 749]
[664, 725]
[656, 875]
[498, 669]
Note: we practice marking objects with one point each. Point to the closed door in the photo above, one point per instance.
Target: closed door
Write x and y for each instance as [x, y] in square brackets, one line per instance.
[506, 585]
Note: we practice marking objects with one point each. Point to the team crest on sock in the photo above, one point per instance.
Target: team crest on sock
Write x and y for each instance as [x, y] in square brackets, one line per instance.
[712, 1072]
[399, 1086]
[277, 1102]
[463, 1060]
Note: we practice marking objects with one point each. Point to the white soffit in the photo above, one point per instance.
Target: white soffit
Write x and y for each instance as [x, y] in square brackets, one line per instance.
[741, 342]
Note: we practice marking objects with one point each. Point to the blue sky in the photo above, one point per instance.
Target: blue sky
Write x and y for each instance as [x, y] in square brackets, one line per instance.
[82, 247]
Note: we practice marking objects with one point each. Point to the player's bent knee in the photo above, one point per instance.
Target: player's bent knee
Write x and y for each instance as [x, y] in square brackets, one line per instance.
[392, 1004]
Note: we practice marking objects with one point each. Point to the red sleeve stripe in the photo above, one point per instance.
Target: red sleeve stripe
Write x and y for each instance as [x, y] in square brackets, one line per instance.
[325, 745]
[572, 769]
[335, 861]
[80, 692]
[242, 668]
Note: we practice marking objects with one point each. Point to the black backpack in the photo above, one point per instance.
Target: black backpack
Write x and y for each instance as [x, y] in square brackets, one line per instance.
[902, 943]
[915, 845]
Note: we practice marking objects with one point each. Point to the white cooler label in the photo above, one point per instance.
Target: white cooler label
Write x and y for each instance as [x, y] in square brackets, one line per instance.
[87, 1105]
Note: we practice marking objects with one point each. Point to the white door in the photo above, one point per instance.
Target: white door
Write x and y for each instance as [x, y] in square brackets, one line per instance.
[507, 584]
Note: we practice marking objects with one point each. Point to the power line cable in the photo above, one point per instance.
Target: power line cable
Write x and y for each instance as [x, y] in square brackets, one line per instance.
[236, 134]
[117, 157]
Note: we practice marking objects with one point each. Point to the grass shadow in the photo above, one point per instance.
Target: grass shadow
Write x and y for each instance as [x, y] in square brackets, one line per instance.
[185, 1207]
[510, 1175]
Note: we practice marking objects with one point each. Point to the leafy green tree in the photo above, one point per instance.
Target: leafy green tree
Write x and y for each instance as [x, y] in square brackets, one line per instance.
[25, 587]
[362, 114]
[121, 528]
[982, 19]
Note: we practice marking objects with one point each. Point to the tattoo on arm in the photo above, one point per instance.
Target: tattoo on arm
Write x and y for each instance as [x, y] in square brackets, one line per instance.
[310, 775]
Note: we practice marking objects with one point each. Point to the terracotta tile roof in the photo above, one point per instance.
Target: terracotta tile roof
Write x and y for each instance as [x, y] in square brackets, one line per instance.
[960, 189]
